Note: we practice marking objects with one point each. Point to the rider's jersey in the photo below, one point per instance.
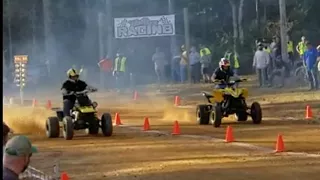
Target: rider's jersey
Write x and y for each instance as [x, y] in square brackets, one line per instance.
[73, 86]
[223, 75]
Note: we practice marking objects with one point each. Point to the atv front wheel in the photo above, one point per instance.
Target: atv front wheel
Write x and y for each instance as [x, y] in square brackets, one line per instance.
[241, 116]
[67, 128]
[256, 113]
[203, 113]
[106, 124]
[93, 128]
[216, 116]
[52, 127]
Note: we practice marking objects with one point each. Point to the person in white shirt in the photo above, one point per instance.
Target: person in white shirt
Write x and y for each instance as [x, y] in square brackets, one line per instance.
[195, 65]
[159, 64]
[260, 63]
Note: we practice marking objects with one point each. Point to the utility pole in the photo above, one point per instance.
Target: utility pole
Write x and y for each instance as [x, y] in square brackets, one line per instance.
[173, 38]
[109, 28]
[187, 38]
[283, 30]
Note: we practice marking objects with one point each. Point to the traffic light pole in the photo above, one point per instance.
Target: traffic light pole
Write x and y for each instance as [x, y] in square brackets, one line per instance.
[20, 62]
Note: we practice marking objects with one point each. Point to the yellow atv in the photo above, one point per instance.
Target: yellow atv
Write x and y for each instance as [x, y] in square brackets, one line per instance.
[227, 101]
[83, 116]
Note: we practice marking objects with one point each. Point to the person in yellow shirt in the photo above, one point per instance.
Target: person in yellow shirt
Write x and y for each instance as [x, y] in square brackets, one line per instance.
[290, 50]
[301, 48]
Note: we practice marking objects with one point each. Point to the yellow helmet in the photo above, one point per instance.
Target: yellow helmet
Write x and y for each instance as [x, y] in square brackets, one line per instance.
[72, 72]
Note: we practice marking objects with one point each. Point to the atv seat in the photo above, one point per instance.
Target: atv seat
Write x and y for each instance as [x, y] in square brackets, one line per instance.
[207, 95]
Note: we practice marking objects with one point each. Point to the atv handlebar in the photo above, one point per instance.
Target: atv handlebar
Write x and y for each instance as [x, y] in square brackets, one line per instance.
[230, 83]
[90, 90]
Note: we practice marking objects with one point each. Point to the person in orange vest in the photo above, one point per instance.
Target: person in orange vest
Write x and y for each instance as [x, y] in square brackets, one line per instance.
[105, 66]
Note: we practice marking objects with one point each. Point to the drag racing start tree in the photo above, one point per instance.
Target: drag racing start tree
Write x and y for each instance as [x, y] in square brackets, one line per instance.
[20, 64]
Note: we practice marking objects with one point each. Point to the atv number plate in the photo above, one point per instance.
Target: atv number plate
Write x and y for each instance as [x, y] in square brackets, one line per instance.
[87, 109]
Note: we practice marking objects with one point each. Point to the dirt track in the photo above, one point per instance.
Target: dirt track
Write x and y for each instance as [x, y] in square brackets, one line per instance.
[136, 155]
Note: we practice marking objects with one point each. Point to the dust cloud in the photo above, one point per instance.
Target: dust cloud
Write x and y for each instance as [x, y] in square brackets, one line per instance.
[26, 120]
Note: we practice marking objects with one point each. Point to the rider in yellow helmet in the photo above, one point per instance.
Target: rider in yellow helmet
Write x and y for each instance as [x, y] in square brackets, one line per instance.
[69, 87]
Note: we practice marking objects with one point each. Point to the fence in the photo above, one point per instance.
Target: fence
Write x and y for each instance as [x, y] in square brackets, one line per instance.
[43, 166]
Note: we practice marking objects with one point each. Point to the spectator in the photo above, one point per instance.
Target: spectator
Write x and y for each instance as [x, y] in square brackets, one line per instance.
[195, 65]
[290, 50]
[205, 65]
[5, 131]
[236, 64]
[310, 59]
[105, 66]
[175, 69]
[16, 157]
[301, 48]
[261, 61]
[120, 64]
[183, 64]
[204, 51]
[234, 57]
[160, 62]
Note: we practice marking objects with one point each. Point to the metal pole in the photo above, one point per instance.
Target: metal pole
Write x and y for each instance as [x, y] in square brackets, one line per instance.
[33, 21]
[173, 38]
[283, 30]
[101, 50]
[187, 38]
[109, 28]
[100, 31]
[21, 94]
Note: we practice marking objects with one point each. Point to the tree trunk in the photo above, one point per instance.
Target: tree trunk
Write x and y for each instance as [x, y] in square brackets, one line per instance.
[240, 21]
[50, 55]
[258, 15]
[34, 32]
[234, 23]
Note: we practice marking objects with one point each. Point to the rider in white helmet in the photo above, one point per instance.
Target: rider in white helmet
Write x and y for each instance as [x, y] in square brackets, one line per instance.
[223, 72]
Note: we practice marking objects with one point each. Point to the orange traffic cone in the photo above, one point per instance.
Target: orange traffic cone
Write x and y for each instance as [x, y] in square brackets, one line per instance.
[229, 135]
[118, 120]
[177, 101]
[49, 105]
[176, 128]
[146, 125]
[64, 176]
[135, 95]
[308, 112]
[280, 144]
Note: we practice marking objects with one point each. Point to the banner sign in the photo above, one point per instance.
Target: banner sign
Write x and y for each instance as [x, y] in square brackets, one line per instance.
[147, 26]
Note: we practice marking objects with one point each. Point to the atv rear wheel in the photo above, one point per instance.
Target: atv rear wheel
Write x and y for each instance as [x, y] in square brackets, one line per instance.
[67, 128]
[106, 124]
[216, 116]
[256, 113]
[93, 129]
[203, 114]
[52, 127]
[241, 116]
